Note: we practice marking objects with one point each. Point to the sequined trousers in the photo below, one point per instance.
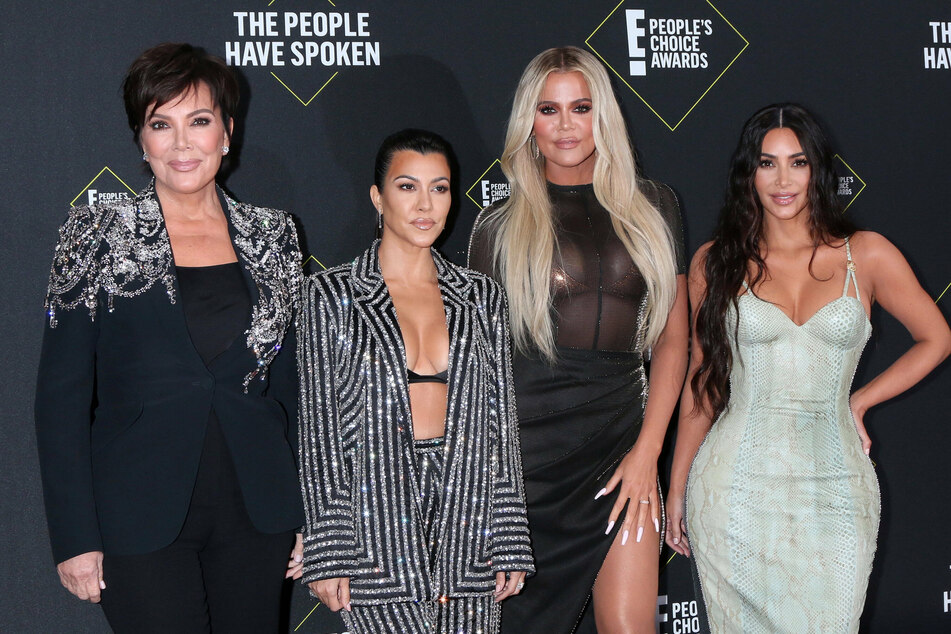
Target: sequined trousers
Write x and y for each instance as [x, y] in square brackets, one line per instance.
[447, 615]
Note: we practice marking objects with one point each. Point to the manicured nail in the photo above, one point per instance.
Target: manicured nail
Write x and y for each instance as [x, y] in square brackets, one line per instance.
[610, 526]
[640, 531]
[349, 609]
[298, 558]
[102, 584]
[656, 526]
[867, 451]
[676, 540]
[600, 493]
[624, 537]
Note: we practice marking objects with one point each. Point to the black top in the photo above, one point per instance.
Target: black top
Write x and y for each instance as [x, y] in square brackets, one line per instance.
[217, 309]
[597, 291]
[217, 306]
[439, 377]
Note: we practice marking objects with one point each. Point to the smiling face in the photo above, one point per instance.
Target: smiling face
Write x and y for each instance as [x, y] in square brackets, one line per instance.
[564, 120]
[782, 177]
[183, 140]
[415, 198]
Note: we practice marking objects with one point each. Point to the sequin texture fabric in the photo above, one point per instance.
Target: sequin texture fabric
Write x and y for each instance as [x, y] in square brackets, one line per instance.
[783, 506]
[121, 250]
[359, 469]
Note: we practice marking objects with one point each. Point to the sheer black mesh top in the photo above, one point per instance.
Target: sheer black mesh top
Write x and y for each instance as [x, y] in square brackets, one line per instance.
[598, 293]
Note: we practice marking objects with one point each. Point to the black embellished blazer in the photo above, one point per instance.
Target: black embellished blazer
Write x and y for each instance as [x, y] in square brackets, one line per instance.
[123, 397]
[358, 467]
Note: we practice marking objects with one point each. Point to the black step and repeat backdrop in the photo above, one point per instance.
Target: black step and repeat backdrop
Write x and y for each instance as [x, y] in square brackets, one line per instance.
[325, 80]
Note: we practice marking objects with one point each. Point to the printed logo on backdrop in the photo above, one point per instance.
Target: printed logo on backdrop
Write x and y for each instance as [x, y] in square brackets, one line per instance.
[850, 184]
[938, 51]
[491, 187]
[105, 187]
[678, 605]
[670, 53]
[303, 45]
[946, 598]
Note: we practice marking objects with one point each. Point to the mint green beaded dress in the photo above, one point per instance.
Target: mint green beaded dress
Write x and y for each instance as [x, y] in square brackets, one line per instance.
[782, 503]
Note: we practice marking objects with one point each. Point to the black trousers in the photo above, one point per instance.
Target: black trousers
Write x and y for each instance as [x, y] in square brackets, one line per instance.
[220, 574]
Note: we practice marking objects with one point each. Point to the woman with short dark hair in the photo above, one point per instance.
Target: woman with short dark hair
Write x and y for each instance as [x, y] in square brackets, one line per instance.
[166, 402]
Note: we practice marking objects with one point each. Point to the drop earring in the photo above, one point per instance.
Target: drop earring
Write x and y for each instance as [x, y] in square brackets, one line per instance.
[379, 222]
[534, 144]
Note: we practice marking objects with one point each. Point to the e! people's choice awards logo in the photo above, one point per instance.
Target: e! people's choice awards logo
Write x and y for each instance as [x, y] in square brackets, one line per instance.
[105, 187]
[670, 53]
[304, 50]
[491, 187]
[850, 185]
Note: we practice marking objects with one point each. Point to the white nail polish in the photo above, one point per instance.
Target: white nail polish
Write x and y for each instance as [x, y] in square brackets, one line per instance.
[610, 526]
[640, 531]
[624, 537]
[676, 540]
[656, 526]
[600, 493]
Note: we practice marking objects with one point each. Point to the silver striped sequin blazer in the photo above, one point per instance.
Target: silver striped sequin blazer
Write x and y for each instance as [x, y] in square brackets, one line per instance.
[358, 468]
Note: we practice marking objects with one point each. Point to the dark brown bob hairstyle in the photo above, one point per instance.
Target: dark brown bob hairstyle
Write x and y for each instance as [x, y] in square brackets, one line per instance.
[168, 71]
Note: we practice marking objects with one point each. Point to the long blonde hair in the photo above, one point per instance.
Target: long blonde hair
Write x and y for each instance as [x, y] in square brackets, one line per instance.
[524, 231]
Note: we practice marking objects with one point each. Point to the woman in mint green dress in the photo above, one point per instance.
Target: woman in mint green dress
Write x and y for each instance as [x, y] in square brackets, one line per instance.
[782, 504]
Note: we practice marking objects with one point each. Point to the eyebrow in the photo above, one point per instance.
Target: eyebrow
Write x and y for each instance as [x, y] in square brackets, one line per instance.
[583, 99]
[416, 180]
[190, 114]
[772, 156]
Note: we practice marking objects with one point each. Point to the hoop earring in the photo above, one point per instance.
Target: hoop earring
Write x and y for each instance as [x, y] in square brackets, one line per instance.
[534, 144]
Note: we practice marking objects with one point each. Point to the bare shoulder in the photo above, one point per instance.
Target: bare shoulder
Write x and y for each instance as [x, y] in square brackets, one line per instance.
[699, 261]
[874, 250]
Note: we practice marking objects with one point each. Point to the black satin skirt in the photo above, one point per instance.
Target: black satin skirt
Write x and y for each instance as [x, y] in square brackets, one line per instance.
[577, 420]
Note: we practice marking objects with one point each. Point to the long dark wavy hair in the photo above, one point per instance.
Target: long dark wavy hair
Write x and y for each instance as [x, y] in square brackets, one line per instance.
[737, 249]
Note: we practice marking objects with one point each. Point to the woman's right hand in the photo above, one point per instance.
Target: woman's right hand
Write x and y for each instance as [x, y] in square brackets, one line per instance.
[82, 575]
[334, 593]
[676, 526]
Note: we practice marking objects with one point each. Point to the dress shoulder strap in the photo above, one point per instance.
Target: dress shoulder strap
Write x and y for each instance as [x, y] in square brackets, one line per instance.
[850, 272]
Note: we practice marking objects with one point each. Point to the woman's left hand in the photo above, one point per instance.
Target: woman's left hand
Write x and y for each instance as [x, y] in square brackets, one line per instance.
[508, 583]
[637, 475]
[858, 415]
[295, 567]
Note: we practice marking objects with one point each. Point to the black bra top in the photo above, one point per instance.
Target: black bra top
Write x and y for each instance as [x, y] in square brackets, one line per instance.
[439, 377]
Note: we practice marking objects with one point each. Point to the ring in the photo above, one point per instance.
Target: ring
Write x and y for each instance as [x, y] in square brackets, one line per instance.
[519, 585]
[643, 501]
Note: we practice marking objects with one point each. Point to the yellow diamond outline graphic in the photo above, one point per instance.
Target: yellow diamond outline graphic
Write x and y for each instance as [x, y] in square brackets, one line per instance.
[296, 96]
[72, 203]
[943, 293]
[849, 167]
[311, 257]
[746, 44]
[471, 187]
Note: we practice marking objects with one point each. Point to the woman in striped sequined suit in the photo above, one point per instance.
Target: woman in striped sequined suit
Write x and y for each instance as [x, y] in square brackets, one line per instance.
[410, 462]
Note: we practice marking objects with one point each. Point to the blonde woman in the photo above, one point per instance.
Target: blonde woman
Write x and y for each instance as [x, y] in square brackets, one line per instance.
[591, 258]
